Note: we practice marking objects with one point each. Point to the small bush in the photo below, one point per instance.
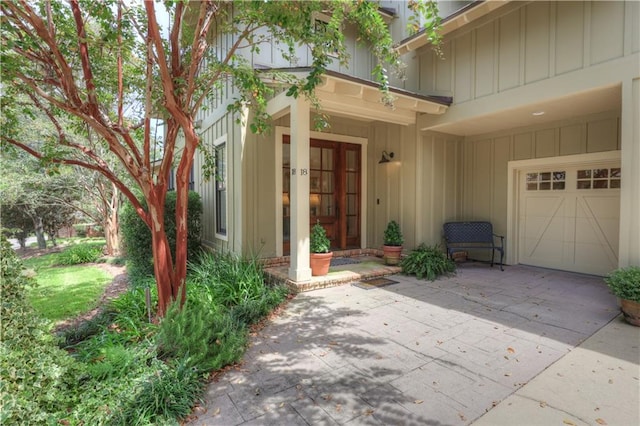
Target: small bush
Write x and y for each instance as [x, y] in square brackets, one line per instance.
[203, 336]
[625, 283]
[167, 396]
[79, 253]
[81, 229]
[230, 280]
[427, 262]
[136, 236]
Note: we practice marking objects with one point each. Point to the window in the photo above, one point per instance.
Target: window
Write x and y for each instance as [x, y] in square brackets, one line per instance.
[321, 26]
[171, 185]
[545, 181]
[221, 186]
[192, 180]
[598, 178]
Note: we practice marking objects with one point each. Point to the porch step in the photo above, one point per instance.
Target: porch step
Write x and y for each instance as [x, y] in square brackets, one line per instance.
[368, 267]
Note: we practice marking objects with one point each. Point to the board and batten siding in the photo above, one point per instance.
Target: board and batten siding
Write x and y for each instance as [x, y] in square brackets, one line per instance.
[224, 128]
[485, 159]
[523, 43]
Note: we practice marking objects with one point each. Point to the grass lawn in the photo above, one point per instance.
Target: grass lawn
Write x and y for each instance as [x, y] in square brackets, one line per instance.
[65, 291]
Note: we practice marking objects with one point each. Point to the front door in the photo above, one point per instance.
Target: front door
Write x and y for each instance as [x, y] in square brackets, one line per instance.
[334, 191]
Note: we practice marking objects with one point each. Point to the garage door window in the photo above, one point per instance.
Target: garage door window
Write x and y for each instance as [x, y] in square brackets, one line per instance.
[546, 181]
[598, 178]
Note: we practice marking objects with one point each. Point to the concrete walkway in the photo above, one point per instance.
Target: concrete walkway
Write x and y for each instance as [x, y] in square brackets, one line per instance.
[484, 347]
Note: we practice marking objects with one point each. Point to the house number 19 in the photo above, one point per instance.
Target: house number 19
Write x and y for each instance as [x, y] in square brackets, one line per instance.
[303, 172]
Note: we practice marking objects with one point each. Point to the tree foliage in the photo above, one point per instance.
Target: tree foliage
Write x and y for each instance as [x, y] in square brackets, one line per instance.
[111, 66]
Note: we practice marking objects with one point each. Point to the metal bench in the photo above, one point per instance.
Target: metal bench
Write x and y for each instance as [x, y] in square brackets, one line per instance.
[461, 236]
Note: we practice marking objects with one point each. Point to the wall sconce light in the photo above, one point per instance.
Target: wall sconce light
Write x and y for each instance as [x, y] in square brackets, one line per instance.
[314, 200]
[386, 157]
[285, 199]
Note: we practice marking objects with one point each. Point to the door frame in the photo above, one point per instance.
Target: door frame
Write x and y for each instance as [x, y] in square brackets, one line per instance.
[280, 131]
[515, 171]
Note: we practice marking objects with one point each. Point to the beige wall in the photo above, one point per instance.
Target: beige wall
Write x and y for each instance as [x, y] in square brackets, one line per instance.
[485, 159]
[223, 128]
[525, 42]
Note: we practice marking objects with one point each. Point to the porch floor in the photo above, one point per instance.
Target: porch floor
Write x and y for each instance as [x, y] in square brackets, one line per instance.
[369, 266]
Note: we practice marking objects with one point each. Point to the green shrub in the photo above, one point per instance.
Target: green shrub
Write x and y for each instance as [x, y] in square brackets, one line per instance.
[79, 253]
[625, 283]
[252, 311]
[319, 242]
[228, 279]
[393, 235]
[81, 229]
[167, 396]
[427, 262]
[136, 236]
[203, 336]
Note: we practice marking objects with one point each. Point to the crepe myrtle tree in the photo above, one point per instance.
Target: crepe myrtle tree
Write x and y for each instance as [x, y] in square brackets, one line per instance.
[117, 65]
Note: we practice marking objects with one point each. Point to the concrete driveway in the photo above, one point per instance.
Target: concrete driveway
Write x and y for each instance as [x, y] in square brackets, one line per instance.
[415, 352]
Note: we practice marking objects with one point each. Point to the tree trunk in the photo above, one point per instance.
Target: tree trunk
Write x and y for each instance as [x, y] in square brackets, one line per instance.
[112, 223]
[182, 203]
[42, 243]
[162, 259]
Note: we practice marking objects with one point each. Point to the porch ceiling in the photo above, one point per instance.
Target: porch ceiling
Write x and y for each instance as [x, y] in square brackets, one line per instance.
[360, 99]
[356, 98]
[552, 110]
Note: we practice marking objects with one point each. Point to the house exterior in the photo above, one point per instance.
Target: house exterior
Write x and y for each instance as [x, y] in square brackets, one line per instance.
[531, 120]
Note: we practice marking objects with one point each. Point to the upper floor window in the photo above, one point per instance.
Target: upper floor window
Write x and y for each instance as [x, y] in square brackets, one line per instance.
[321, 26]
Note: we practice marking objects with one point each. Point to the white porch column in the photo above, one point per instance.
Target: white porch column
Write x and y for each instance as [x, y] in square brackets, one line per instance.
[629, 252]
[299, 269]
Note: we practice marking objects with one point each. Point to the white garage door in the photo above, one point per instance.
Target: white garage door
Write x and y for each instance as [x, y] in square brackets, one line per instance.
[569, 218]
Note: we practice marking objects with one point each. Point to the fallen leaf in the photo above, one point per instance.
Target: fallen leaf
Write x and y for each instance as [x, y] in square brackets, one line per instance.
[610, 381]
[511, 350]
[281, 404]
[507, 374]
[543, 404]
[601, 421]
[338, 407]
[568, 422]
[418, 401]
[462, 417]
[369, 412]
[327, 397]
[215, 413]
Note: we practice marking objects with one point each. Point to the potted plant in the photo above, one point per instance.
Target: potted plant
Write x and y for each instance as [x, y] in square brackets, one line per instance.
[625, 283]
[320, 254]
[392, 243]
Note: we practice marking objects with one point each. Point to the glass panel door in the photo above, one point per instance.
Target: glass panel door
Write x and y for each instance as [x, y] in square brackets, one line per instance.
[334, 191]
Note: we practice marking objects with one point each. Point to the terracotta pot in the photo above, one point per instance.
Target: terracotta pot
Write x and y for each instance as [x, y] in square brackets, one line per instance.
[631, 311]
[320, 263]
[392, 254]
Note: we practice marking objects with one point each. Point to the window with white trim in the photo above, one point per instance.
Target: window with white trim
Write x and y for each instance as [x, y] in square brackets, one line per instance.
[220, 149]
[603, 178]
[546, 181]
